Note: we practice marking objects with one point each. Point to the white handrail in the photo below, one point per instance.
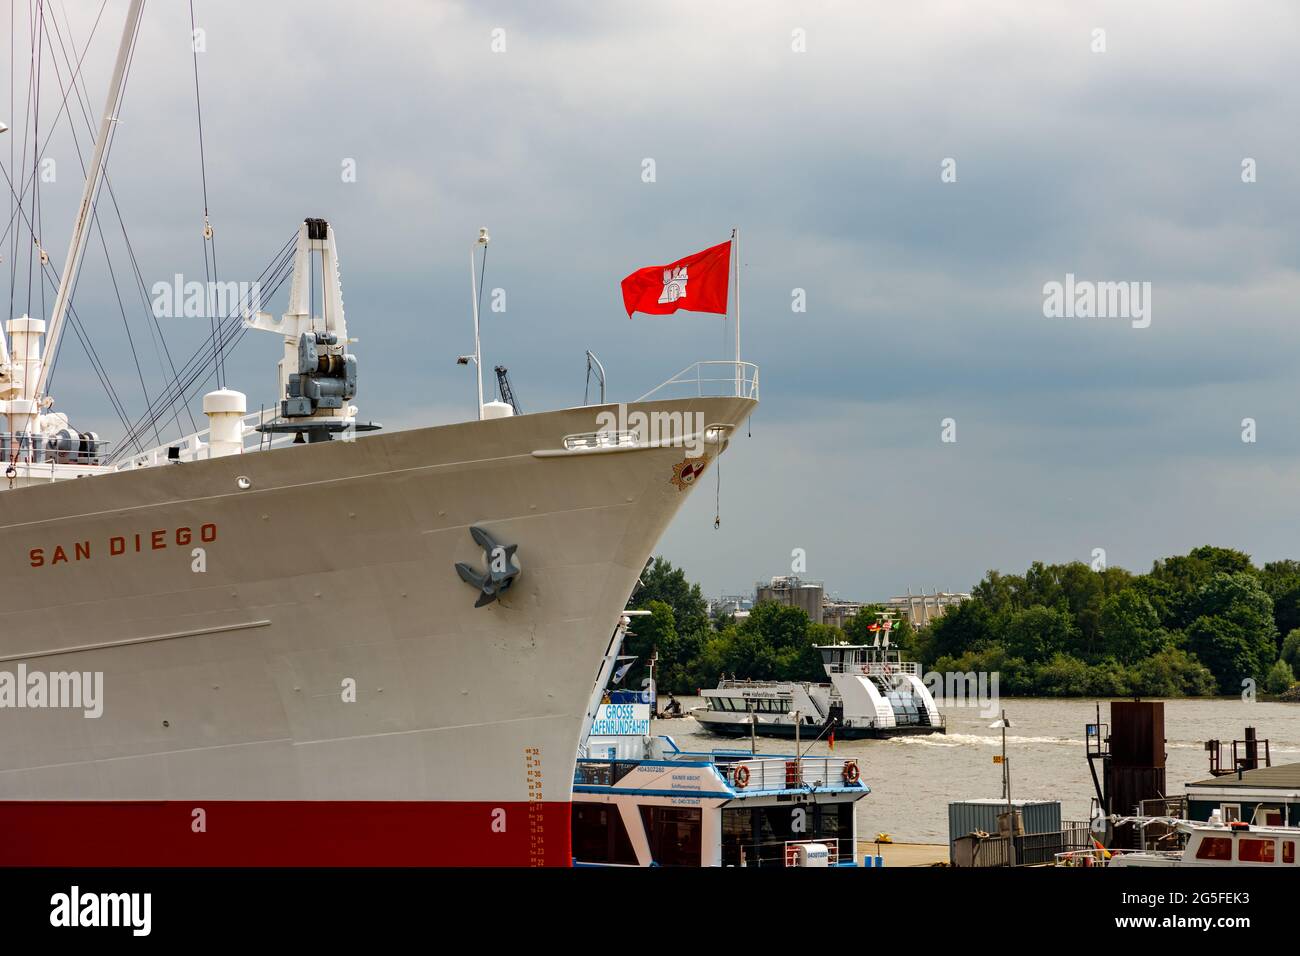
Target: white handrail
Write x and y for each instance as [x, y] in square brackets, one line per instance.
[741, 381]
[195, 448]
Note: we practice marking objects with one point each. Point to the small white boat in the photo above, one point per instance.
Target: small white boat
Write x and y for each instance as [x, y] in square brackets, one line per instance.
[1204, 844]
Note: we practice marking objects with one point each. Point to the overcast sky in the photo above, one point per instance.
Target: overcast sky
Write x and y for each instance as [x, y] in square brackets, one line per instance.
[822, 130]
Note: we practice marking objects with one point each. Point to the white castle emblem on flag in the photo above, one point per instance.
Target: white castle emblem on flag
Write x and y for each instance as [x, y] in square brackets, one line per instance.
[674, 285]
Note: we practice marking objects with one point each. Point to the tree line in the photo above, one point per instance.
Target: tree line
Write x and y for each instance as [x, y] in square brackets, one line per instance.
[1205, 623]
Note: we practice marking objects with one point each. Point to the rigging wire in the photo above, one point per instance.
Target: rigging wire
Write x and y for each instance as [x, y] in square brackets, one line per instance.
[180, 388]
[99, 228]
[51, 276]
[230, 330]
[155, 329]
[27, 184]
[482, 274]
[209, 238]
[231, 333]
[37, 19]
[153, 326]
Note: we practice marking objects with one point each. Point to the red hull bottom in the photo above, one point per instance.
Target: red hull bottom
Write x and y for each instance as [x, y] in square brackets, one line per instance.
[284, 833]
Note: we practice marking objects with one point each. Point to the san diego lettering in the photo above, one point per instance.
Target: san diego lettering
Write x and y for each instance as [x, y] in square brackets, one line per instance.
[118, 545]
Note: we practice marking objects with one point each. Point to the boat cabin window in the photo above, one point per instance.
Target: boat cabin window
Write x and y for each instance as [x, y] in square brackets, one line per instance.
[1288, 851]
[1256, 851]
[674, 834]
[1267, 816]
[756, 836]
[1215, 848]
[757, 705]
[599, 835]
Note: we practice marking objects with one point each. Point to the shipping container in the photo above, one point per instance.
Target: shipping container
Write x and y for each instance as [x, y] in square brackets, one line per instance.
[966, 816]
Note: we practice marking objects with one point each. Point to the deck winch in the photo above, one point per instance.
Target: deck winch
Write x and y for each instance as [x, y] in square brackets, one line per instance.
[326, 376]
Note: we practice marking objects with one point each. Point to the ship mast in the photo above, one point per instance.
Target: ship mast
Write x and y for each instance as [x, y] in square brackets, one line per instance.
[94, 176]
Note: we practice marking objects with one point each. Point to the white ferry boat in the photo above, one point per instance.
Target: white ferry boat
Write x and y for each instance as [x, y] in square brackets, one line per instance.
[640, 800]
[872, 693]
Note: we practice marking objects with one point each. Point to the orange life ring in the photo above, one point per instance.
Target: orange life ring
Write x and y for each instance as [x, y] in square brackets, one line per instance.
[741, 777]
[851, 772]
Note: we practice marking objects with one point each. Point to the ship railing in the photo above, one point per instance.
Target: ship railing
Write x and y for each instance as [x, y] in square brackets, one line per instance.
[775, 853]
[710, 379]
[788, 773]
[878, 669]
[23, 448]
[195, 447]
[1095, 856]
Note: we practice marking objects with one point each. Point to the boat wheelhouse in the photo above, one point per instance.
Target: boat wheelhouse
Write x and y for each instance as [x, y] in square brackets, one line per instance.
[873, 693]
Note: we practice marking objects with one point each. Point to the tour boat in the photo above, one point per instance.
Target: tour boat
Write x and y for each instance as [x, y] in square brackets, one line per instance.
[872, 693]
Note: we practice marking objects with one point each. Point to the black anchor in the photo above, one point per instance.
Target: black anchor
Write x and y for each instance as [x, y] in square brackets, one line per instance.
[502, 569]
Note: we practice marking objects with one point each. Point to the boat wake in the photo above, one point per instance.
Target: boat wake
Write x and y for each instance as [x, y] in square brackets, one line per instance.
[978, 740]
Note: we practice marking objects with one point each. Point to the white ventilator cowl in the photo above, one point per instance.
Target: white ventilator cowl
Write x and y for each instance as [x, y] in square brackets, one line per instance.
[225, 409]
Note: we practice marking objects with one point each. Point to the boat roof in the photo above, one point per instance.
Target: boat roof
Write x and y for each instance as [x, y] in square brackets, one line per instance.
[1282, 777]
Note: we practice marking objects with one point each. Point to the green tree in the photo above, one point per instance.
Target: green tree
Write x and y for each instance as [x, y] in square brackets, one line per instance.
[1181, 578]
[1280, 678]
[781, 626]
[1109, 678]
[1062, 676]
[968, 626]
[663, 582]
[648, 635]
[1130, 627]
[1291, 649]
[1037, 633]
[1173, 673]
[1231, 650]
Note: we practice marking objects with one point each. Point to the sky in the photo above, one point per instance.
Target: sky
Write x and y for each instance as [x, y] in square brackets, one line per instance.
[915, 173]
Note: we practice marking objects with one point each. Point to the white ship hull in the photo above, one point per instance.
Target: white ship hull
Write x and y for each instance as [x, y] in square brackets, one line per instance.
[226, 737]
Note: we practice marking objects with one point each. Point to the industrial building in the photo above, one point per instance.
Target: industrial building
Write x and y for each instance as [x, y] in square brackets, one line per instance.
[920, 609]
[795, 592]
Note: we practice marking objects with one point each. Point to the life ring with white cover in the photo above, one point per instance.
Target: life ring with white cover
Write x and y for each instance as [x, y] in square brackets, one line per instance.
[741, 777]
[851, 772]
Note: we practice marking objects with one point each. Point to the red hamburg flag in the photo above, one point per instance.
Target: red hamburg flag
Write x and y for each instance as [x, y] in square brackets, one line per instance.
[696, 283]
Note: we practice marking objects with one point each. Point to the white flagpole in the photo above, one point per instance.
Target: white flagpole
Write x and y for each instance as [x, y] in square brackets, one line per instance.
[735, 251]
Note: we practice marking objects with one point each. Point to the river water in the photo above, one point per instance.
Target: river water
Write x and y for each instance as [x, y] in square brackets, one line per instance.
[913, 779]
